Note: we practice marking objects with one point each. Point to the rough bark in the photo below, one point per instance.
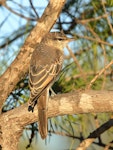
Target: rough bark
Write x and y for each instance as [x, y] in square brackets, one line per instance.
[13, 122]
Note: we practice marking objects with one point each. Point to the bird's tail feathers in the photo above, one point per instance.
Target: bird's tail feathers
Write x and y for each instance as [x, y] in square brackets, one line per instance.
[42, 114]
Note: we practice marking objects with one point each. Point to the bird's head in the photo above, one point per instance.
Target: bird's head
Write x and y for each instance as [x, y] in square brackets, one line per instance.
[57, 39]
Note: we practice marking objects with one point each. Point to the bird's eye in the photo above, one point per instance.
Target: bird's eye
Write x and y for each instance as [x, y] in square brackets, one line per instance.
[60, 39]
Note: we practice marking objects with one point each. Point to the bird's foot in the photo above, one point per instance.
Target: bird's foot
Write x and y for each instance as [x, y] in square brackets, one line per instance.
[52, 92]
[30, 108]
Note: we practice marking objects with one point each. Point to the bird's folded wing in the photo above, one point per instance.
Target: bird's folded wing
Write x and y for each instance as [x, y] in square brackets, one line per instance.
[41, 76]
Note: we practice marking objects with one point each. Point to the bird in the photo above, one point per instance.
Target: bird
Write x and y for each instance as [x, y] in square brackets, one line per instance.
[45, 65]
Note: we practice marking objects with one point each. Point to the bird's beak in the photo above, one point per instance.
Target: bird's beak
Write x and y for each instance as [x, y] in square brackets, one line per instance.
[71, 39]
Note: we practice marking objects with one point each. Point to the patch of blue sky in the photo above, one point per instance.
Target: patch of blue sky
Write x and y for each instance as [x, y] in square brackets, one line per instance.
[110, 39]
[10, 23]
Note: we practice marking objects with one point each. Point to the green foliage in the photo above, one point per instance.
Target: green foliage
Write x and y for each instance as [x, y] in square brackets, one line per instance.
[109, 3]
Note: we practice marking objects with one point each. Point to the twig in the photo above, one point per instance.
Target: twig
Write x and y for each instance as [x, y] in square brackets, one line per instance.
[103, 4]
[108, 73]
[107, 146]
[104, 52]
[95, 40]
[75, 60]
[102, 71]
[34, 9]
[16, 13]
[85, 144]
[85, 21]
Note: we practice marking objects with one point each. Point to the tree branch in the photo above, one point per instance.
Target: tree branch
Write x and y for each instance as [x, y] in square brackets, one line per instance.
[70, 103]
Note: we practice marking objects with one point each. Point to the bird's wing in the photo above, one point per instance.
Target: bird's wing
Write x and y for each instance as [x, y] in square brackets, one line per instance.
[43, 70]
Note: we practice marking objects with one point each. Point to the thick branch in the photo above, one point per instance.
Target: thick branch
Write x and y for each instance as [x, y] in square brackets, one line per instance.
[20, 65]
[71, 103]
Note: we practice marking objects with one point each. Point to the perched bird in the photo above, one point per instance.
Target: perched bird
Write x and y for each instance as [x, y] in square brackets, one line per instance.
[45, 65]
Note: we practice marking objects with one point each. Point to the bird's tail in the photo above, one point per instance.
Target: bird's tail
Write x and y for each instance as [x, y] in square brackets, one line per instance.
[42, 114]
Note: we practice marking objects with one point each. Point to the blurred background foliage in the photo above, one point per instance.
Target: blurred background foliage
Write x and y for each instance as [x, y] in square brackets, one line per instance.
[90, 22]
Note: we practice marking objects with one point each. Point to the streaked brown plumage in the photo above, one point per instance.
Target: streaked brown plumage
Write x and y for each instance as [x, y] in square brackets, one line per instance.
[45, 65]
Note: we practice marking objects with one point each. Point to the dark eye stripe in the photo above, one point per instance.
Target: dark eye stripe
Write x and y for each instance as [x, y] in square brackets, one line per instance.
[60, 39]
